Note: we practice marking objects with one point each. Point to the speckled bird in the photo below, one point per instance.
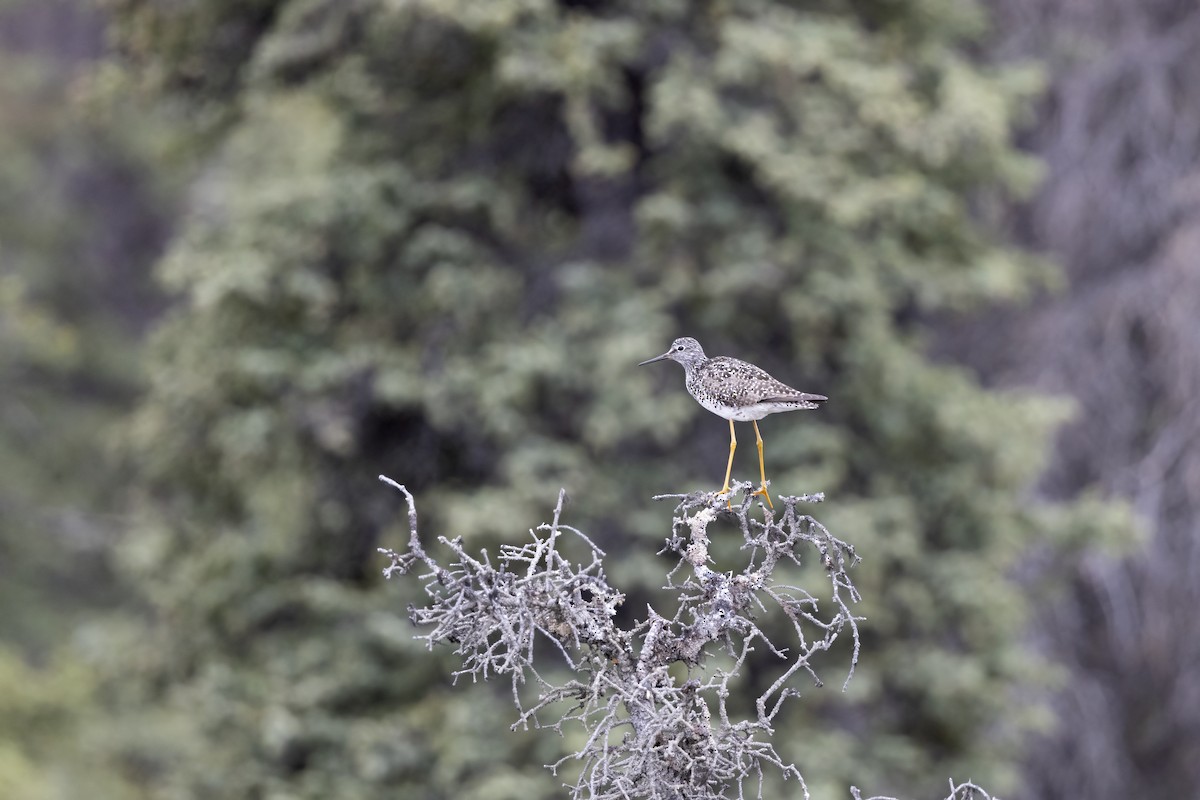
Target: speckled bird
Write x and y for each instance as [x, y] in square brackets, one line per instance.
[735, 390]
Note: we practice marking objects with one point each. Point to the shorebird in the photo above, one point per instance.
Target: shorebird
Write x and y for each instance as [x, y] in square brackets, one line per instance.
[735, 390]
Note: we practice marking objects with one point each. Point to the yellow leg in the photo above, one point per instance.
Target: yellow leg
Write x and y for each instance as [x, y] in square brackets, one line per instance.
[762, 470]
[729, 466]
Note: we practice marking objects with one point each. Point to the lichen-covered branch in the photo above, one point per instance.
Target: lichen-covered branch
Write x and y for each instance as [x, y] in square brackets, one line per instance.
[650, 734]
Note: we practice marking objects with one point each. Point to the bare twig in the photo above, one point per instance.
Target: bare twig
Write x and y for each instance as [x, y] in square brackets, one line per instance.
[649, 733]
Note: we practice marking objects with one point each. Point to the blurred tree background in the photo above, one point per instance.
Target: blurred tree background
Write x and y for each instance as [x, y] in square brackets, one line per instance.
[1119, 132]
[83, 214]
[432, 238]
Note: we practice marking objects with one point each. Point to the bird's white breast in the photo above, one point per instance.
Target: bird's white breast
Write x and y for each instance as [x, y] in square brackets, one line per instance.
[744, 413]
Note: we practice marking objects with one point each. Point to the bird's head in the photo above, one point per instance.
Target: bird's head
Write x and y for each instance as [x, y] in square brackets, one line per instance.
[686, 351]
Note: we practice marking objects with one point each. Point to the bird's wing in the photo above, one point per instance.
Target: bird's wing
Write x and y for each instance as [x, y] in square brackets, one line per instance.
[793, 396]
[757, 383]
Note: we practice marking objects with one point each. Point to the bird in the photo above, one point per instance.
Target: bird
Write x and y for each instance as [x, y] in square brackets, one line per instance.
[736, 390]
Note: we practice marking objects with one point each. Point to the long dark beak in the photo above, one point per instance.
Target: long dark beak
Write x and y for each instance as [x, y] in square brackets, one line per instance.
[656, 358]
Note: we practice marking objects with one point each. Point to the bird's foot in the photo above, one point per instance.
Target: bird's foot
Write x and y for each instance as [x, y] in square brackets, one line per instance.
[725, 490]
[766, 496]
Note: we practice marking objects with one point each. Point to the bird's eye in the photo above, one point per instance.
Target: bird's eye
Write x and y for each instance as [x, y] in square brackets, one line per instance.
[678, 347]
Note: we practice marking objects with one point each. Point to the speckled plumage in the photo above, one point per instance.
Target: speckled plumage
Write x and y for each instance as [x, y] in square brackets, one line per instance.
[735, 390]
[732, 388]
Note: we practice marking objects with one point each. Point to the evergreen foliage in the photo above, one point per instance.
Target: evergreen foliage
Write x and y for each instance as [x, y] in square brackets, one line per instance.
[64, 373]
[81, 219]
[432, 240]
